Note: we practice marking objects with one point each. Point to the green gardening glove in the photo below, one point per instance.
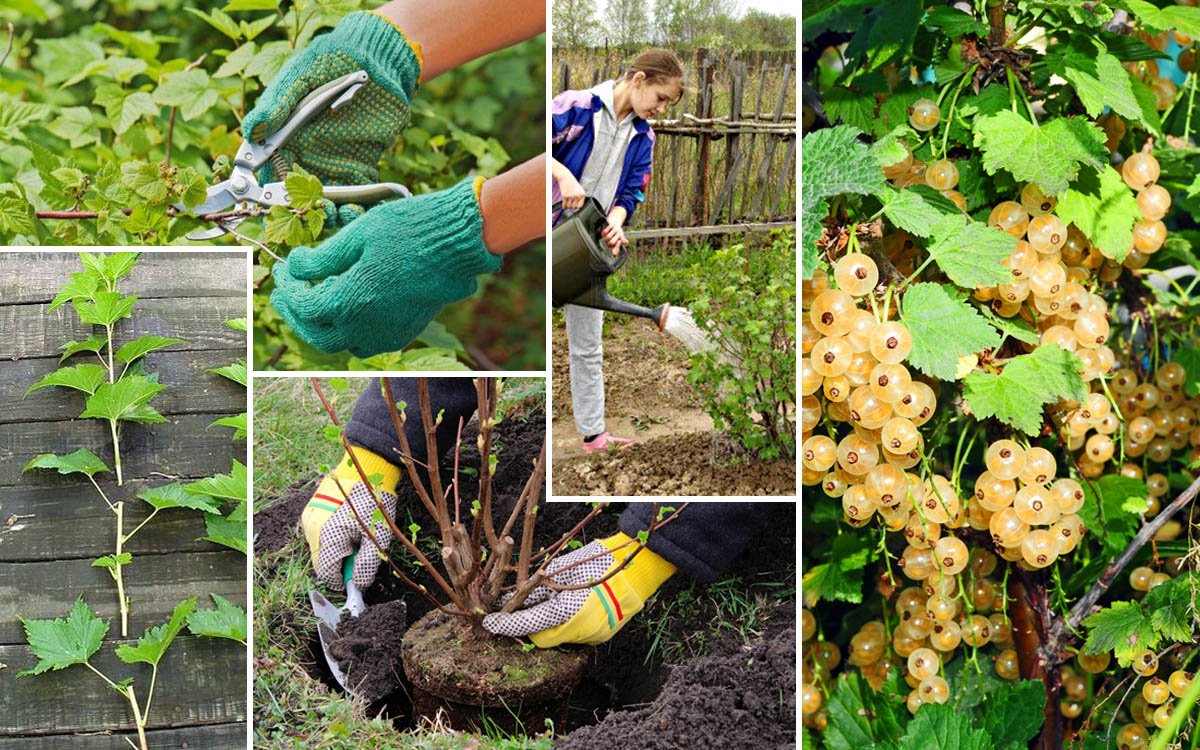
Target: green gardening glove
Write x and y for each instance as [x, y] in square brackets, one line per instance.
[342, 146]
[375, 285]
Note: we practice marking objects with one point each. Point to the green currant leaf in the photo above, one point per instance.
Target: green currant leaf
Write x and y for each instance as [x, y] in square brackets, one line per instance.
[970, 252]
[943, 329]
[231, 486]
[1026, 384]
[228, 531]
[173, 495]
[841, 578]
[112, 561]
[1012, 714]
[238, 423]
[918, 210]
[860, 717]
[219, 21]
[189, 90]
[59, 643]
[82, 461]
[1122, 628]
[1171, 607]
[154, 642]
[146, 180]
[835, 162]
[1185, 20]
[125, 400]
[93, 344]
[304, 190]
[16, 215]
[1104, 509]
[143, 345]
[938, 726]
[1102, 206]
[123, 108]
[105, 308]
[226, 621]
[237, 324]
[235, 372]
[85, 377]
[1050, 155]
[236, 5]
[288, 227]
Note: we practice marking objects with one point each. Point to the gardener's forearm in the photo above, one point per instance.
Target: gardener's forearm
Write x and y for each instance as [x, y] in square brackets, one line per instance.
[451, 34]
[617, 216]
[558, 170]
[513, 205]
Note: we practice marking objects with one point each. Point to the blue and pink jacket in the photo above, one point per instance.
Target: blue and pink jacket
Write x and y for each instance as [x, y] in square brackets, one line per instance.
[573, 117]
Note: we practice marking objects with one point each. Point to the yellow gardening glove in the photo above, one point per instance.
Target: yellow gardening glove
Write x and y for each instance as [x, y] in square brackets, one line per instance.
[329, 524]
[589, 615]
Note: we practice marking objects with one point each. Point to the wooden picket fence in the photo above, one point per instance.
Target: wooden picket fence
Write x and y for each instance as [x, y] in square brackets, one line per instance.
[725, 156]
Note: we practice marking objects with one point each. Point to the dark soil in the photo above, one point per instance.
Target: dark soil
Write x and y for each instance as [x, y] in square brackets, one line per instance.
[368, 649]
[648, 399]
[737, 697]
[689, 464]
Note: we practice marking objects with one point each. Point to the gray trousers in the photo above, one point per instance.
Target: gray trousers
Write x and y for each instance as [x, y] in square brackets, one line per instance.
[585, 327]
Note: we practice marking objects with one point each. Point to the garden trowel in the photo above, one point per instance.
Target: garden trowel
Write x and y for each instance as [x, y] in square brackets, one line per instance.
[329, 615]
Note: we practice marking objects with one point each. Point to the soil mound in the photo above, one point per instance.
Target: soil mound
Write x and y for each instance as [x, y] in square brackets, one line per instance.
[736, 697]
[368, 649]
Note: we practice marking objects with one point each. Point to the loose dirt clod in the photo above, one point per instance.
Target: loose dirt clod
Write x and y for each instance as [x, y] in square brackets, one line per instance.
[368, 649]
[735, 698]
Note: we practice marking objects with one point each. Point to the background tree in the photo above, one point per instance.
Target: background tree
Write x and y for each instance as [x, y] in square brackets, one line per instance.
[574, 23]
[627, 22]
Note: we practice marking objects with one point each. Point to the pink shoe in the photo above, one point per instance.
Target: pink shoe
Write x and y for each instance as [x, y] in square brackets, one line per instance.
[605, 442]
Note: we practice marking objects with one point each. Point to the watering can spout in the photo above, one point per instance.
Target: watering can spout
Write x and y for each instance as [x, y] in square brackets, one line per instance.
[582, 265]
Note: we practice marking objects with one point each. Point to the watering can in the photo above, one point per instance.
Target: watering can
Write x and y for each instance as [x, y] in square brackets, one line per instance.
[583, 263]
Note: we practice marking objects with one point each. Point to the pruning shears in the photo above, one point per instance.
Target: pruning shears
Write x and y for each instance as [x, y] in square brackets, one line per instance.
[241, 188]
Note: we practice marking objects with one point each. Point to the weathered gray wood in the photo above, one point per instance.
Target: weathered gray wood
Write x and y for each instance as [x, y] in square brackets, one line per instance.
[33, 331]
[764, 185]
[153, 583]
[205, 737]
[181, 446]
[653, 234]
[733, 156]
[37, 277]
[190, 388]
[195, 677]
[727, 189]
[72, 522]
[786, 173]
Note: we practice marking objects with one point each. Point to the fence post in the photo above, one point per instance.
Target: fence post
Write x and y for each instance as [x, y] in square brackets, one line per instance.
[566, 77]
[704, 111]
[763, 194]
[733, 155]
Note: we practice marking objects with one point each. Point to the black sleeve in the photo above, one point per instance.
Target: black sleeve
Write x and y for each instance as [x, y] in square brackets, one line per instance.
[706, 537]
[371, 425]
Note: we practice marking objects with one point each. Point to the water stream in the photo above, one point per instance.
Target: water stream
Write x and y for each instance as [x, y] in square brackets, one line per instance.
[680, 324]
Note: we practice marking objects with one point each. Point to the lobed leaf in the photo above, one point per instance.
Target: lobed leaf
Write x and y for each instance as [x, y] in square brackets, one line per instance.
[105, 308]
[970, 252]
[235, 372]
[938, 726]
[82, 461]
[86, 377]
[143, 345]
[1026, 384]
[92, 344]
[236, 422]
[231, 486]
[1049, 155]
[226, 621]
[173, 495]
[228, 531]
[112, 561]
[126, 400]
[1101, 206]
[943, 330]
[1104, 509]
[1012, 714]
[1122, 628]
[61, 643]
[154, 642]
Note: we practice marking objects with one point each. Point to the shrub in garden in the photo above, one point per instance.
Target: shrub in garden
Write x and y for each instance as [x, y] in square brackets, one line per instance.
[747, 380]
[999, 376]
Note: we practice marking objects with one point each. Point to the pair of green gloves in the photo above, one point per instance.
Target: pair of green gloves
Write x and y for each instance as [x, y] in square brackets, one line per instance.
[376, 284]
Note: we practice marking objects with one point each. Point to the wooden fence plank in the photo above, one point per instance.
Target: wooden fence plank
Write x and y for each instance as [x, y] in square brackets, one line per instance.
[748, 187]
[733, 156]
[181, 446]
[37, 277]
[769, 162]
[190, 388]
[703, 109]
[786, 174]
[72, 522]
[33, 331]
[759, 226]
[153, 583]
[193, 688]
[205, 737]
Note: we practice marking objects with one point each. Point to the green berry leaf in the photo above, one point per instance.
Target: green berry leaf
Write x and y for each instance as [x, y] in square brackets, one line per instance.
[85, 377]
[173, 495]
[939, 726]
[840, 579]
[226, 621]
[91, 344]
[1012, 714]
[1122, 628]
[304, 190]
[860, 717]
[60, 643]
[1185, 20]
[82, 461]
[231, 486]
[1171, 607]
[1017, 327]
[228, 531]
[123, 108]
[190, 90]
[1101, 82]
[112, 561]
[143, 345]
[237, 422]
[105, 308]
[1103, 207]
[1190, 359]
[970, 252]
[235, 372]
[917, 210]
[1027, 383]
[1104, 510]
[83, 285]
[943, 329]
[835, 162]
[126, 400]
[154, 642]
[1050, 155]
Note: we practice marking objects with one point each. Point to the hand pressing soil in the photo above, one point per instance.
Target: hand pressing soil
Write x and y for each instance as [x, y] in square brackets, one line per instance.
[368, 649]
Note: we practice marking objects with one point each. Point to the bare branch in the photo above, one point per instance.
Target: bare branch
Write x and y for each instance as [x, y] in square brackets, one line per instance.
[529, 498]
[398, 424]
[435, 475]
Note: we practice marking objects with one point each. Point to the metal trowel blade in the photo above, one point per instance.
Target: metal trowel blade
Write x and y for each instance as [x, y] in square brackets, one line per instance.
[328, 635]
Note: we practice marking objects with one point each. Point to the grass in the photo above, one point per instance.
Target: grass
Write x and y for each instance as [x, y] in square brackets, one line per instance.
[654, 277]
[740, 605]
[291, 709]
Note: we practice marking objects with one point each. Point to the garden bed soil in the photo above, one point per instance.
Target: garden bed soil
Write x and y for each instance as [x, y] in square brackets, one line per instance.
[366, 649]
[648, 399]
[627, 674]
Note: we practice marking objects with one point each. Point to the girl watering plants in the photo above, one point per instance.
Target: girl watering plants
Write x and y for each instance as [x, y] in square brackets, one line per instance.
[602, 148]
[377, 282]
